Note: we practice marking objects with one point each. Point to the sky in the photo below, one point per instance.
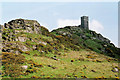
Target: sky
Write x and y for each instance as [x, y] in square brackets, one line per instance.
[103, 16]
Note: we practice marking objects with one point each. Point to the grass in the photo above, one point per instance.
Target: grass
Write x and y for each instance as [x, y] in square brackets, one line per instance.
[67, 69]
[69, 64]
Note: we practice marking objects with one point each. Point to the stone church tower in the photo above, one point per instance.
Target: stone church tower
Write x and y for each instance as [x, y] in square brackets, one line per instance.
[84, 22]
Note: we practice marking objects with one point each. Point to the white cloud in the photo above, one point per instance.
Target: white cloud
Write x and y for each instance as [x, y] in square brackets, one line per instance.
[68, 22]
[96, 26]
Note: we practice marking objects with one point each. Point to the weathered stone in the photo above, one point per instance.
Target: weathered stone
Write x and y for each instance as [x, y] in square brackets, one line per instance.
[43, 42]
[23, 48]
[17, 52]
[34, 47]
[93, 70]
[24, 67]
[28, 30]
[22, 39]
[115, 70]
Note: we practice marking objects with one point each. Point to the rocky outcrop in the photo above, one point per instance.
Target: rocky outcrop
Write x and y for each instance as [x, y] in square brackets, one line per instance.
[89, 39]
[82, 33]
[13, 37]
[22, 36]
[29, 26]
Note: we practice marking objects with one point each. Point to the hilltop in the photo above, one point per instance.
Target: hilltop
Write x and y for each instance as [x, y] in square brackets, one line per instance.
[31, 51]
[89, 39]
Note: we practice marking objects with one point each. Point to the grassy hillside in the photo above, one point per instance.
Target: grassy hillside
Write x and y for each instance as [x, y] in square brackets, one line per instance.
[89, 39]
[31, 51]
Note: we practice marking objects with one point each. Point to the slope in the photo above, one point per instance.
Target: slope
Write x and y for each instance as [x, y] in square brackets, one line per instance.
[31, 51]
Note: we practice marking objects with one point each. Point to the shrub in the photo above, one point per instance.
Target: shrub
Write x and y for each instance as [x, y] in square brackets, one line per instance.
[72, 60]
[13, 70]
[41, 45]
[98, 60]
[11, 58]
[30, 61]
[48, 77]
[31, 70]
[12, 64]
[34, 76]
[35, 55]
[75, 75]
[93, 45]
[38, 65]
[27, 52]
[83, 76]
[81, 59]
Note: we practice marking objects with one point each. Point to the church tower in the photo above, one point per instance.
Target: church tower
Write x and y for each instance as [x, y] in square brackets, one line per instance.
[84, 22]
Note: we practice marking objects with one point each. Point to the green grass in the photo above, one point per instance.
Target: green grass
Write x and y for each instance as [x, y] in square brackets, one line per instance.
[71, 63]
[67, 69]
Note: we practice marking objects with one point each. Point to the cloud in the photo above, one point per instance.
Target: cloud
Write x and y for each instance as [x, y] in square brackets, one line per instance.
[96, 26]
[68, 22]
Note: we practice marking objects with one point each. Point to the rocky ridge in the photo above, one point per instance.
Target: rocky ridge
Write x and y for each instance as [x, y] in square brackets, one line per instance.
[21, 36]
[89, 39]
[29, 49]
[12, 34]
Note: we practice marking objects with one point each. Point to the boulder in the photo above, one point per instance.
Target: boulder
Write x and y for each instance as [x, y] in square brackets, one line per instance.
[22, 39]
[24, 67]
[23, 48]
[43, 42]
[93, 70]
[115, 70]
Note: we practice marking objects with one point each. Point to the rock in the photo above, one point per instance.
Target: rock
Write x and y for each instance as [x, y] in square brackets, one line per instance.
[16, 39]
[98, 60]
[29, 26]
[23, 48]
[93, 70]
[22, 39]
[42, 51]
[43, 42]
[72, 60]
[115, 70]
[17, 52]
[54, 58]
[64, 33]
[105, 45]
[49, 65]
[34, 47]
[28, 30]
[54, 67]
[24, 67]
[58, 59]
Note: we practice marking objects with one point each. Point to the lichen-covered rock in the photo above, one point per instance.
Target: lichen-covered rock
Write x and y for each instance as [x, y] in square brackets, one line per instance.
[43, 42]
[23, 48]
[15, 35]
[29, 26]
[24, 67]
[22, 39]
